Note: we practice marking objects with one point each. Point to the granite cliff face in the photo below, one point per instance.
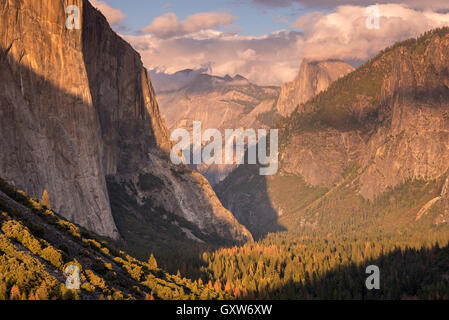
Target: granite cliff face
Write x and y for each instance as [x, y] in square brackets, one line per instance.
[313, 78]
[77, 109]
[381, 129]
[50, 137]
[390, 117]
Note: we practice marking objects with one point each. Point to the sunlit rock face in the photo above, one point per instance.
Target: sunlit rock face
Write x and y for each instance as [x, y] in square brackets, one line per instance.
[77, 107]
[389, 117]
[384, 125]
[313, 78]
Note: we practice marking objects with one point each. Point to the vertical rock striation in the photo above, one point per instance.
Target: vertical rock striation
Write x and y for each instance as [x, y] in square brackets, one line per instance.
[49, 128]
[77, 106]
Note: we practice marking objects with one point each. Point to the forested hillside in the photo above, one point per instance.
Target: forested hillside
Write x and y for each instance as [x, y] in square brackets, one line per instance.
[287, 266]
[37, 245]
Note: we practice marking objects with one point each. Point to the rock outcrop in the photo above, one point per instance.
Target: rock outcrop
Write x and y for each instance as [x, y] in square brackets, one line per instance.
[77, 106]
[313, 78]
[385, 125]
[390, 116]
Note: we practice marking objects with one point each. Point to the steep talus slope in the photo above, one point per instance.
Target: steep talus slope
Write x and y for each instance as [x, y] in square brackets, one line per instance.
[376, 141]
[313, 78]
[77, 107]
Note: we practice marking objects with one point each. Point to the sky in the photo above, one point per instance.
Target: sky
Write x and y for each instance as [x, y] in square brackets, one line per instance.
[249, 19]
[265, 40]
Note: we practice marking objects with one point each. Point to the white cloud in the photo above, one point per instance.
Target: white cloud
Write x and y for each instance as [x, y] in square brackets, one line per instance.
[114, 16]
[168, 25]
[275, 58]
[343, 34]
[270, 59]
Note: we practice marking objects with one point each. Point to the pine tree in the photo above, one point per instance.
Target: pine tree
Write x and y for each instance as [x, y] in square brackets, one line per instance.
[237, 292]
[210, 285]
[217, 285]
[149, 296]
[228, 286]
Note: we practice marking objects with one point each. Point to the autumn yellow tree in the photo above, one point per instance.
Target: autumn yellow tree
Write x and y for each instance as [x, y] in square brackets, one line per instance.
[15, 293]
[45, 201]
[152, 262]
[41, 293]
[3, 289]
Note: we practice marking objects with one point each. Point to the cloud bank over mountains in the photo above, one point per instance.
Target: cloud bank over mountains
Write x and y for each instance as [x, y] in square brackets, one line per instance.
[268, 59]
[205, 39]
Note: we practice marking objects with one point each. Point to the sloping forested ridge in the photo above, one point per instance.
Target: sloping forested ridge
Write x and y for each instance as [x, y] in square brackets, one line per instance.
[36, 246]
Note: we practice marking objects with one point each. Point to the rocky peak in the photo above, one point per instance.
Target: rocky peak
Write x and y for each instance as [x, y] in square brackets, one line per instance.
[313, 78]
[389, 116]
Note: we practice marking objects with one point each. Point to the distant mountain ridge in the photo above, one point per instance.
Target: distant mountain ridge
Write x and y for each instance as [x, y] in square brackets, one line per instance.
[217, 102]
[234, 102]
[193, 79]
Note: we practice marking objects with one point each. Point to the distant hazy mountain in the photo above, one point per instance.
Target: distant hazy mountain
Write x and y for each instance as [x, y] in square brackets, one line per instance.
[218, 102]
[172, 82]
